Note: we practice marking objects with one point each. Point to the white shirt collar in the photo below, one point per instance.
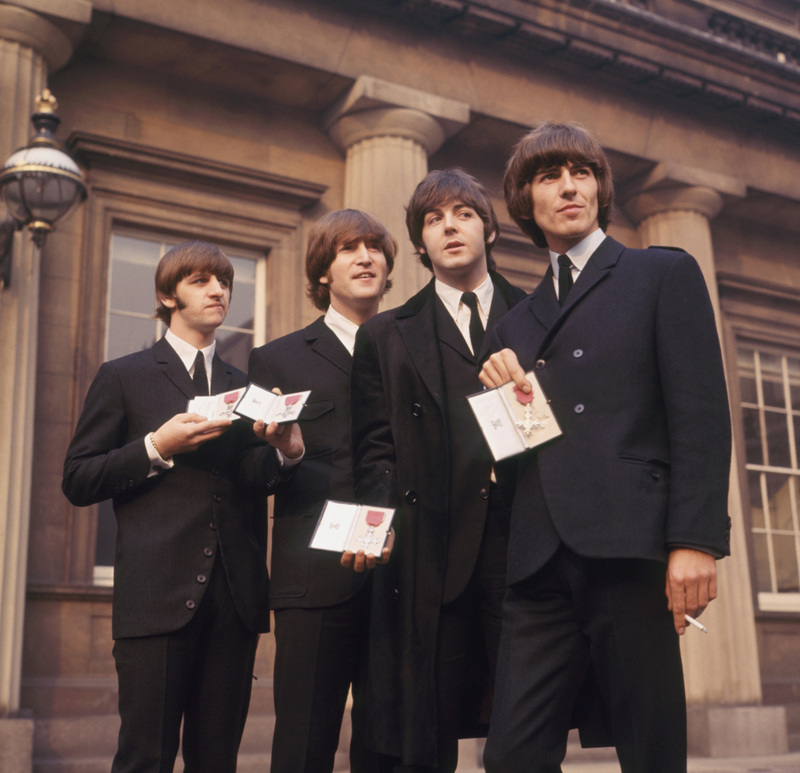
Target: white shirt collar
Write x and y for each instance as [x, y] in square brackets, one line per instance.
[581, 252]
[451, 297]
[188, 353]
[344, 329]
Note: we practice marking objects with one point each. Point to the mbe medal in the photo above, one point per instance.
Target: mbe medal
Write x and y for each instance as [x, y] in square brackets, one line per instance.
[529, 420]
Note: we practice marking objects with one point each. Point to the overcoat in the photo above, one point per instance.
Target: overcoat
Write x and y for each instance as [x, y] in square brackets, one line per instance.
[633, 371]
[402, 459]
[315, 359]
[171, 525]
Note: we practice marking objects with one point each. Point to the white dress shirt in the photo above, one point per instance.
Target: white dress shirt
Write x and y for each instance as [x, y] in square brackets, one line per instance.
[460, 312]
[579, 255]
[344, 329]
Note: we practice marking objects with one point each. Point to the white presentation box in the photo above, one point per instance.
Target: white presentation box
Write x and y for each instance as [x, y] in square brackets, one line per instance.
[220, 406]
[513, 422]
[344, 526]
[258, 403]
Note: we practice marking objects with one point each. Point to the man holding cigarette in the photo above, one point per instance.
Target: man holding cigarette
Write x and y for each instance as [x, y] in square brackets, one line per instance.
[632, 498]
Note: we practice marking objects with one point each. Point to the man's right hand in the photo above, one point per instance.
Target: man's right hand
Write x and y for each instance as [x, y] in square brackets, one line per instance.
[187, 432]
[502, 367]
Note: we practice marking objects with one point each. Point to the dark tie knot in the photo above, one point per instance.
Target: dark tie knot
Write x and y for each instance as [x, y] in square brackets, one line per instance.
[200, 376]
[564, 262]
[564, 278]
[471, 300]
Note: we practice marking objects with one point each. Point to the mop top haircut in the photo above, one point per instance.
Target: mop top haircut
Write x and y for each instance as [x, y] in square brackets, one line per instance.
[438, 189]
[551, 146]
[183, 260]
[329, 234]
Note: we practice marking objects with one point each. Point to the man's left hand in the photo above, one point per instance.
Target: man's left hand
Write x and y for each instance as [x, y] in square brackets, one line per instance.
[287, 438]
[361, 560]
[691, 584]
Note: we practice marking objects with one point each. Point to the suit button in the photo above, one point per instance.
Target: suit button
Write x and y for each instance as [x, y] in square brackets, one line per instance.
[201, 578]
[190, 604]
[411, 497]
[656, 474]
[215, 471]
[579, 408]
[484, 493]
[217, 498]
[416, 410]
[396, 593]
[208, 552]
[213, 525]
[540, 364]
[578, 353]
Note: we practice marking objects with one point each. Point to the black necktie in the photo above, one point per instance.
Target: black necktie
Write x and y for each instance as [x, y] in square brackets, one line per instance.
[200, 378]
[475, 324]
[564, 278]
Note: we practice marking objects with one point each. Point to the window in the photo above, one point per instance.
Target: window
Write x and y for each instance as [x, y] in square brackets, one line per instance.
[130, 327]
[770, 393]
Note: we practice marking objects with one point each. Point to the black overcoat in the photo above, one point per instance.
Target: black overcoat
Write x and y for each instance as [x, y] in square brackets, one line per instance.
[402, 459]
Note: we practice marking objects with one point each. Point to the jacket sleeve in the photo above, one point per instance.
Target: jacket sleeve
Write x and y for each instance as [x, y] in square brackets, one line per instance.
[374, 458]
[101, 460]
[696, 406]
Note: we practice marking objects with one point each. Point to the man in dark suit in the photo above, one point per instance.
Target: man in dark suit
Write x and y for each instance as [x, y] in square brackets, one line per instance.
[417, 447]
[632, 498]
[190, 578]
[321, 607]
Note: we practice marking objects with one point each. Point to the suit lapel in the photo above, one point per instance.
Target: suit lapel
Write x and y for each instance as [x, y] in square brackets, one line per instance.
[173, 368]
[448, 331]
[325, 343]
[543, 301]
[221, 375]
[416, 323]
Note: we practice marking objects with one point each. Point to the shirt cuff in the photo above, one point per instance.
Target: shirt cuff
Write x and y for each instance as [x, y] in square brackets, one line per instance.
[157, 464]
[286, 463]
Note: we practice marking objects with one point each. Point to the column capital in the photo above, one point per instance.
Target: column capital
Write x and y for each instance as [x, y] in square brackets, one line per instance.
[28, 28]
[376, 108]
[670, 186]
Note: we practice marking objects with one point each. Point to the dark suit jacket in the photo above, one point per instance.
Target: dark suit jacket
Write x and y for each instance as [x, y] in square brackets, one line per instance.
[168, 524]
[315, 359]
[633, 371]
[402, 459]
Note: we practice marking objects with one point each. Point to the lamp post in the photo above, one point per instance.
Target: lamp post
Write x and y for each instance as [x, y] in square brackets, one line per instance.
[40, 184]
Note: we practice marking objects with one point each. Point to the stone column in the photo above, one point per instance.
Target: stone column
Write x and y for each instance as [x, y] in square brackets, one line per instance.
[29, 46]
[673, 207]
[387, 132]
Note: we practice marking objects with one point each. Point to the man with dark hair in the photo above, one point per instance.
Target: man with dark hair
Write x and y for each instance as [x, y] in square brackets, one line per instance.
[190, 578]
[631, 500]
[322, 608]
[417, 447]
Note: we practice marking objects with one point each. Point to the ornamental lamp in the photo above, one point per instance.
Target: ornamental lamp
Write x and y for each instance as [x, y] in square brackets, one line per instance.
[40, 184]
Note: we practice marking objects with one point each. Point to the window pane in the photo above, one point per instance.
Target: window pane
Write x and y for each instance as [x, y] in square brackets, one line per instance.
[794, 381]
[133, 268]
[763, 583]
[780, 509]
[752, 436]
[756, 505]
[234, 348]
[129, 334]
[785, 563]
[777, 440]
[772, 380]
[240, 312]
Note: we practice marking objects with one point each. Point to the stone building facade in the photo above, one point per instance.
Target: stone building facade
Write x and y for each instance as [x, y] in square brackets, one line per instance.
[243, 122]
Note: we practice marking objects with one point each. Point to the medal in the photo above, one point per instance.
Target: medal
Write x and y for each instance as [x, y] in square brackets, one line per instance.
[529, 421]
[374, 519]
[229, 400]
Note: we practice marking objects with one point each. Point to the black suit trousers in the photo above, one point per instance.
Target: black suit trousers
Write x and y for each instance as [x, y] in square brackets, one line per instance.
[319, 653]
[610, 614]
[200, 674]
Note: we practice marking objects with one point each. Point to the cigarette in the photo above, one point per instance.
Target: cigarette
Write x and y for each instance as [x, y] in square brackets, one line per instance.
[696, 624]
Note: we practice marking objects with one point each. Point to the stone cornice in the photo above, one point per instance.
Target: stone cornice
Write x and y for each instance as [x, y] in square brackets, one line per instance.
[714, 63]
[111, 153]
